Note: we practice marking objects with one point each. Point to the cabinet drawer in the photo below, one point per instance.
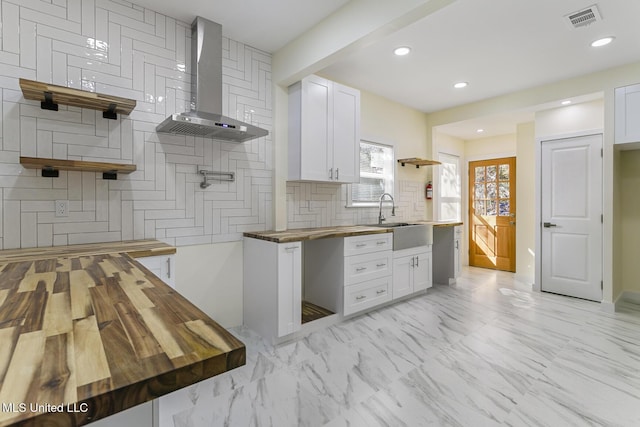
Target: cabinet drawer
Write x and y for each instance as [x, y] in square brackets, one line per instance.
[366, 295]
[359, 268]
[356, 245]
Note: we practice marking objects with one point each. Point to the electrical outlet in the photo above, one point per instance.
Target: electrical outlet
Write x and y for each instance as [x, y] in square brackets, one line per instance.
[62, 208]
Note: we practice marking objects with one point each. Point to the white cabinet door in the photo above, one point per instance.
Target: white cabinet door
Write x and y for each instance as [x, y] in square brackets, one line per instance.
[317, 112]
[289, 288]
[627, 114]
[402, 276]
[457, 254]
[324, 131]
[422, 271]
[162, 266]
[346, 134]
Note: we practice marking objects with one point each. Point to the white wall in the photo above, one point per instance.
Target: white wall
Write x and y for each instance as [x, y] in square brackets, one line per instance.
[210, 276]
[630, 220]
[570, 119]
[525, 202]
[122, 49]
[490, 147]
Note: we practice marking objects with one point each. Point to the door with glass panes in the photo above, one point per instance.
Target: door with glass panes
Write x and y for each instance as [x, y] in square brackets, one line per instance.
[492, 214]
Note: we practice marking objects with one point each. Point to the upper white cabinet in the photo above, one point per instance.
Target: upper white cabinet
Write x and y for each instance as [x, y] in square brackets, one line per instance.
[627, 114]
[324, 131]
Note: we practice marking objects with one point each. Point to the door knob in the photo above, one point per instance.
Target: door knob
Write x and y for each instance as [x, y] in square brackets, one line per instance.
[549, 225]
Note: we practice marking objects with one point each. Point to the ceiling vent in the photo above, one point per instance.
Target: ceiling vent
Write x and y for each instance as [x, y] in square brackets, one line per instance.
[583, 17]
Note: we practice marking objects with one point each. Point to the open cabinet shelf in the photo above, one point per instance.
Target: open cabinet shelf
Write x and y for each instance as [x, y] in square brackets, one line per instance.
[50, 167]
[51, 95]
[418, 162]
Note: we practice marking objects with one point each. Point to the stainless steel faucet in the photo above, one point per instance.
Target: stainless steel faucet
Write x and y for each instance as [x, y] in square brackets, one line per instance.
[393, 208]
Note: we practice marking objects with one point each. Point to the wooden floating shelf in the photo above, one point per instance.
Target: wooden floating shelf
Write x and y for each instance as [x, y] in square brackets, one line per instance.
[52, 95]
[418, 162]
[50, 167]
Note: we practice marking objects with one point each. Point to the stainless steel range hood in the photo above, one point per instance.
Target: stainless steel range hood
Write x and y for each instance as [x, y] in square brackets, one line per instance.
[205, 117]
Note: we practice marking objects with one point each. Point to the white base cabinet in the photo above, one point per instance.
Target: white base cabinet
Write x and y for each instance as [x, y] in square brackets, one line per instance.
[163, 266]
[272, 294]
[411, 271]
[368, 263]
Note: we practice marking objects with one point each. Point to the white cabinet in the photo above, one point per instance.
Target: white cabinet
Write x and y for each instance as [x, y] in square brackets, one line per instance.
[411, 271]
[457, 254]
[447, 253]
[289, 288]
[162, 266]
[324, 131]
[627, 114]
[367, 278]
[272, 292]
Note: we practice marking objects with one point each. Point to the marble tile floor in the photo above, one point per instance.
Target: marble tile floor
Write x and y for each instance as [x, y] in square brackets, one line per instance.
[486, 351]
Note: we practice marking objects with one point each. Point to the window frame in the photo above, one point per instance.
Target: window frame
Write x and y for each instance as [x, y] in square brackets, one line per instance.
[440, 198]
[389, 188]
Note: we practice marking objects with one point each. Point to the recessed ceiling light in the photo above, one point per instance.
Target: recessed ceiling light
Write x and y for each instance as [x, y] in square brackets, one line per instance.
[603, 41]
[402, 50]
[480, 130]
[567, 102]
[460, 85]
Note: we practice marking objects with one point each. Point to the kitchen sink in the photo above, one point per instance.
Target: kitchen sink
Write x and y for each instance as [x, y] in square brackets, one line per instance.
[406, 235]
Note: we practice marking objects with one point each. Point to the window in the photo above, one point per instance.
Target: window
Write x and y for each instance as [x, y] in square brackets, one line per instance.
[376, 174]
[449, 206]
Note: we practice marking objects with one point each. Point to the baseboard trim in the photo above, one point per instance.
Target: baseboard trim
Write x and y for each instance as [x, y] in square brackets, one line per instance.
[631, 296]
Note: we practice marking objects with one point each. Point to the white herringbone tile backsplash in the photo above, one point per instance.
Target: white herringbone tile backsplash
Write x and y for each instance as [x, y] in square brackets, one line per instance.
[324, 205]
[118, 48]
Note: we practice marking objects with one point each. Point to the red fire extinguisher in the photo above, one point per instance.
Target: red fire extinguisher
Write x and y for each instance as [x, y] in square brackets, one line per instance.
[429, 191]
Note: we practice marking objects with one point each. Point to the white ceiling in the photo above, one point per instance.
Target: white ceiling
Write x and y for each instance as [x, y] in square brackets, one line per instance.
[498, 46]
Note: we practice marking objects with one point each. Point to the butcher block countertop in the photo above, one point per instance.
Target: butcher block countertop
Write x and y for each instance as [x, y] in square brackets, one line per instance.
[85, 336]
[301, 234]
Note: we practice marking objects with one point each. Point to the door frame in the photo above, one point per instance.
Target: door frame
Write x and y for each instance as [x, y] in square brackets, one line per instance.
[537, 285]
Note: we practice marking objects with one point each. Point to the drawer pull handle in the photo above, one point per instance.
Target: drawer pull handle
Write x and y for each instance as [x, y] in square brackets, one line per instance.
[380, 243]
[417, 261]
[380, 265]
[381, 291]
[361, 269]
[361, 297]
[361, 245]
[290, 248]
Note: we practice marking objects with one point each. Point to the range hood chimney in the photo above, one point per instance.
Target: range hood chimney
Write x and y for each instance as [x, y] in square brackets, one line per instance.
[205, 117]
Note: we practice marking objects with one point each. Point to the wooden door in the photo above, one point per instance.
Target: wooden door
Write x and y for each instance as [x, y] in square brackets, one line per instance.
[571, 208]
[492, 214]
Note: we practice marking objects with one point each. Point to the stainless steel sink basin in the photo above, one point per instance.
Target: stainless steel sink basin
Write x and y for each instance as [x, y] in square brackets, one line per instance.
[407, 235]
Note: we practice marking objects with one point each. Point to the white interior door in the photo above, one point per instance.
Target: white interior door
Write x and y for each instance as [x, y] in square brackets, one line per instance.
[571, 209]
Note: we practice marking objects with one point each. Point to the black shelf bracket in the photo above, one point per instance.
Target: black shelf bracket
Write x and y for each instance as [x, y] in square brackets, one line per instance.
[48, 103]
[111, 175]
[110, 113]
[50, 173]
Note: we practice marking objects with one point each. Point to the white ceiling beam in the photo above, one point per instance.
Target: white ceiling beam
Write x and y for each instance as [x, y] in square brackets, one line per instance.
[355, 25]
